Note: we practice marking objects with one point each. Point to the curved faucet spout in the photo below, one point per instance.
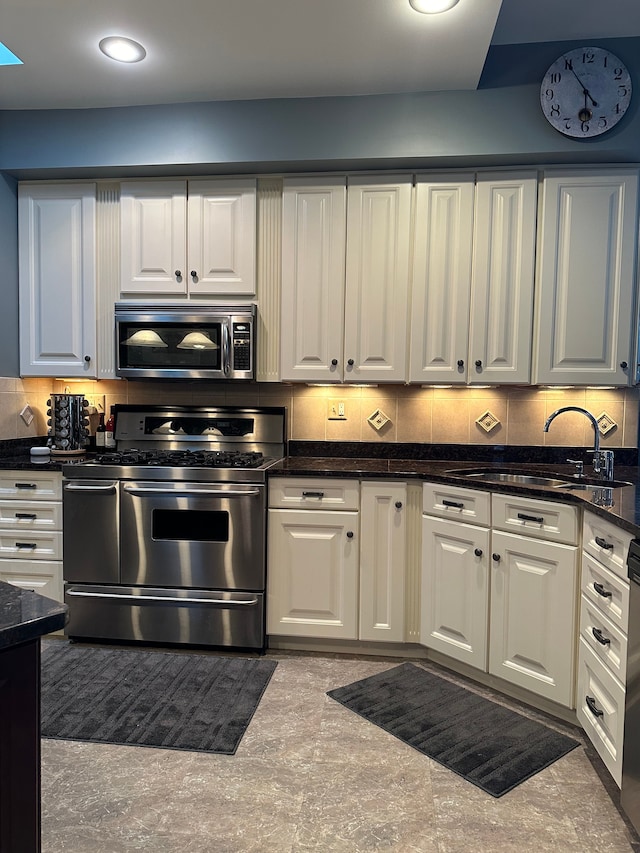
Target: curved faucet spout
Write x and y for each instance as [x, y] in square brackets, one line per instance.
[587, 414]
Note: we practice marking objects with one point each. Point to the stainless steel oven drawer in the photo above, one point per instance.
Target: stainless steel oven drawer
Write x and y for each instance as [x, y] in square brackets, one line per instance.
[188, 616]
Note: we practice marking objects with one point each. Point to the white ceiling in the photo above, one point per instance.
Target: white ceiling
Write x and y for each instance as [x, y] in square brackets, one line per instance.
[206, 50]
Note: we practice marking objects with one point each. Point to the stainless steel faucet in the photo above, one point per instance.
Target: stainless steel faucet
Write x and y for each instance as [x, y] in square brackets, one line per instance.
[602, 459]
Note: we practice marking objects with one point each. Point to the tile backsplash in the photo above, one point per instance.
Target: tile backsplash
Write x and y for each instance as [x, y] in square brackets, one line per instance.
[425, 415]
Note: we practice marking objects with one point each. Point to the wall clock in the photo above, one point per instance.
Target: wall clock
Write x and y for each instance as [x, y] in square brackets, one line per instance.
[585, 92]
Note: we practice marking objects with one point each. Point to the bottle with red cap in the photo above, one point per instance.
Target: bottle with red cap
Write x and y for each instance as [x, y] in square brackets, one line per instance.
[109, 436]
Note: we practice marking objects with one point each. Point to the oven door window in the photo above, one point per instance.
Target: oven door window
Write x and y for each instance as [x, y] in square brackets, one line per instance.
[188, 525]
[170, 345]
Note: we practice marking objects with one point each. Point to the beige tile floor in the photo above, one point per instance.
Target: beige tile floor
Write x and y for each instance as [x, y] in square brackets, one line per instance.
[311, 775]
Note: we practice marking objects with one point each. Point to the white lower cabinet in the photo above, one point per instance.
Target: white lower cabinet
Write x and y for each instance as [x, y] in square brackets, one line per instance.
[532, 605]
[602, 653]
[503, 602]
[336, 559]
[31, 531]
[454, 593]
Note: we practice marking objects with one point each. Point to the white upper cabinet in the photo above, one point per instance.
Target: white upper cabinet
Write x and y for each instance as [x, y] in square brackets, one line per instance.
[441, 278]
[192, 239]
[57, 258]
[345, 273]
[377, 279]
[473, 278]
[504, 252]
[313, 257]
[586, 277]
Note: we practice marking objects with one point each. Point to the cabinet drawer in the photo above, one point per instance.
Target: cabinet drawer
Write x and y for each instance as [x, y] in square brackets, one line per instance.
[41, 576]
[604, 638]
[43, 486]
[608, 592]
[606, 542]
[323, 493]
[548, 520]
[604, 720]
[30, 515]
[466, 505]
[31, 545]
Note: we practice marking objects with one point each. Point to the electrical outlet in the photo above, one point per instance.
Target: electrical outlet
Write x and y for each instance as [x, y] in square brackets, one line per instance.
[336, 410]
[95, 401]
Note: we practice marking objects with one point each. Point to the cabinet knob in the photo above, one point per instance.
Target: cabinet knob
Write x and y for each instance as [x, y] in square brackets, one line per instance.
[478, 552]
[350, 362]
[478, 363]
[398, 504]
[624, 365]
[334, 362]
[495, 558]
[349, 534]
[87, 358]
[460, 362]
[178, 273]
[193, 274]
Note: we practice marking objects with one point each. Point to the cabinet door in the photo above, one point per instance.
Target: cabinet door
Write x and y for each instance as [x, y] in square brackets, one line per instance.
[377, 278]
[222, 237]
[313, 258]
[153, 237]
[57, 280]
[455, 592]
[586, 278]
[382, 561]
[533, 618]
[441, 279]
[503, 277]
[312, 581]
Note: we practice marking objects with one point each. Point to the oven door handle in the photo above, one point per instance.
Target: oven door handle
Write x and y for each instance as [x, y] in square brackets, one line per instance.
[179, 493]
[77, 487]
[141, 599]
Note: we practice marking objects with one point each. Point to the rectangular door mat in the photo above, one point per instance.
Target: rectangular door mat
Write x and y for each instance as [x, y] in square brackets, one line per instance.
[201, 702]
[485, 743]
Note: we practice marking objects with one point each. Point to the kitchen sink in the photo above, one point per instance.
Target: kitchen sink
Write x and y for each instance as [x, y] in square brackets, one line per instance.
[586, 483]
[498, 475]
[495, 475]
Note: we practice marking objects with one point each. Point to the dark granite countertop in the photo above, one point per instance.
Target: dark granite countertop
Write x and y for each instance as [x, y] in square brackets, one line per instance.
[25, 615]
[623, 504]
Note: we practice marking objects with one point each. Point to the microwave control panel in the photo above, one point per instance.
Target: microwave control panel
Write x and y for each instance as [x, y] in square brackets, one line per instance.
[242, 356]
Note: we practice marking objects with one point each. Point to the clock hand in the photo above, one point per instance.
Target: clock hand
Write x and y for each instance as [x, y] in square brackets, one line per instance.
[587, 93]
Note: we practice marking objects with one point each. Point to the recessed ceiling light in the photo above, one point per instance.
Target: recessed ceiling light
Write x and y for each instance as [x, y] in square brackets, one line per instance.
[432, 7]
[7, 57]
[122, 49]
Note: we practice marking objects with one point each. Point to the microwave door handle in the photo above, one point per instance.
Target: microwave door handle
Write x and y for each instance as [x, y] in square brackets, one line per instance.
[226, 349]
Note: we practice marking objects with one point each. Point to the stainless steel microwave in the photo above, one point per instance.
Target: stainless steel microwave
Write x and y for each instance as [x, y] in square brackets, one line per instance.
[177, 341]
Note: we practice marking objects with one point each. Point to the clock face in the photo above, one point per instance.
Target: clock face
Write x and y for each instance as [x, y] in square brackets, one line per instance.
[585, 92]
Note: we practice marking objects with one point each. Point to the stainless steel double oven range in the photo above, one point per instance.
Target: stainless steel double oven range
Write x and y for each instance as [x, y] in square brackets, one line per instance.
[165, 537]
